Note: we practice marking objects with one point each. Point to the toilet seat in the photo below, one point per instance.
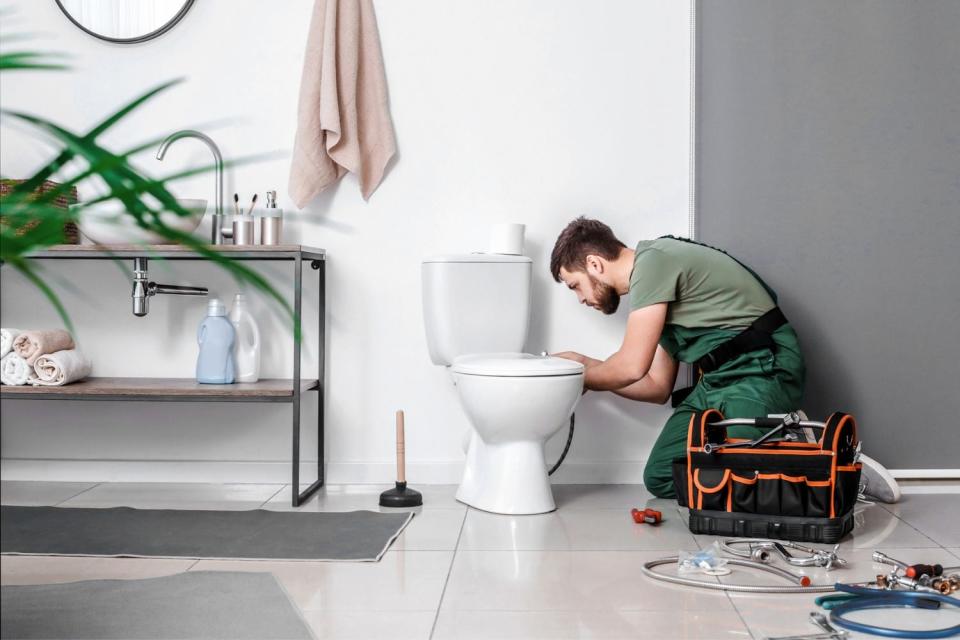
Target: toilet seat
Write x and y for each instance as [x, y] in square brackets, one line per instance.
[515, 365]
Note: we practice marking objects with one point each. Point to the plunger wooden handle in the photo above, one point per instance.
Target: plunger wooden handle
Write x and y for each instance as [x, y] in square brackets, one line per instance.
[401, 452]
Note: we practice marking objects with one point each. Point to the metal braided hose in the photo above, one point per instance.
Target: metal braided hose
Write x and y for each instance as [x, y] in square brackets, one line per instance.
[740, 588]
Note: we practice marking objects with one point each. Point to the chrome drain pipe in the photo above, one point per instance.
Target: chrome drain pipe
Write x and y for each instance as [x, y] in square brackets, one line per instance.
[143, 290]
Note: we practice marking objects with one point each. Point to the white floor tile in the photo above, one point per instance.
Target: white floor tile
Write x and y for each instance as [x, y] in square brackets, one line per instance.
[604, 496]
[561, 625]
[431, 530]
[566, 581]
[56, 569]
[350, 497]
[370, 625]
[955, 552]
[573, 530]
[935, 515]
[401, 581]
[875, 527]
[14, 492]
[155, 495]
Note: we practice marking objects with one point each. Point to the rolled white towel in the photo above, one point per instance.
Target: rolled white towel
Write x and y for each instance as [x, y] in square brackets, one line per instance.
[60, 368]
[7, 336]
[14, 370]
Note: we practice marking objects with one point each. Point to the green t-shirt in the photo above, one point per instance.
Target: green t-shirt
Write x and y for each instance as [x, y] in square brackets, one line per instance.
[704, 288]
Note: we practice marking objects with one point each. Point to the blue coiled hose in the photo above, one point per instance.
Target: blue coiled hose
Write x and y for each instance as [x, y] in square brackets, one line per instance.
[877, 599]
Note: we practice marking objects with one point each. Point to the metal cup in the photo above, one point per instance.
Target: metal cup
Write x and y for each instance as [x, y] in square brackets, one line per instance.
[243, 230]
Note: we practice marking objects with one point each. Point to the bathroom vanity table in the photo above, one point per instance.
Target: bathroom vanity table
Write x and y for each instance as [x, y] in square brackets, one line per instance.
[285, 390]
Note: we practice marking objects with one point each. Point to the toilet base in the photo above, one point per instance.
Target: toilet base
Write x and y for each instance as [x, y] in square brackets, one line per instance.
[509, 478]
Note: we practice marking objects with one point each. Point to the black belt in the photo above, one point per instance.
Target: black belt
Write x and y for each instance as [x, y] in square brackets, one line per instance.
[759, 335]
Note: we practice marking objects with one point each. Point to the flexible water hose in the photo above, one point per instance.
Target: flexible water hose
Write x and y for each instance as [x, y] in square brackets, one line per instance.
[741, 588]
[566, 448]
[884, 599]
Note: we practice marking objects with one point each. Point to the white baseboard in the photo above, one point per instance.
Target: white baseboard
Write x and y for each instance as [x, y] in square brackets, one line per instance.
[268, 472]
[925, 474]
[277, 472]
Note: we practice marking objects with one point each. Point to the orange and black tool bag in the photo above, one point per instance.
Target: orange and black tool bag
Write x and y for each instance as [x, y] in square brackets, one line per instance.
[780, 487]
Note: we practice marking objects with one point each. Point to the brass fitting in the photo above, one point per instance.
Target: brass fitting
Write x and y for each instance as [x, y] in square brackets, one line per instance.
[946, 585]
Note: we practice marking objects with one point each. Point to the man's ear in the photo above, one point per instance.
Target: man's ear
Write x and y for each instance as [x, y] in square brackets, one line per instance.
[594, 266]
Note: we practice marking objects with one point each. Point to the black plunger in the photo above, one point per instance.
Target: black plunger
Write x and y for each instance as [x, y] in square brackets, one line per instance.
[400, 495]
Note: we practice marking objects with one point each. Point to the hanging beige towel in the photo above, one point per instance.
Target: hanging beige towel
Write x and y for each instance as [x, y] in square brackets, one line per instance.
[30, 345]
[343, 121]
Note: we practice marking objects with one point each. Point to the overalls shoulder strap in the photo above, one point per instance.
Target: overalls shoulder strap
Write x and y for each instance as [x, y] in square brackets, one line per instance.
[759, 335]
[770, 291]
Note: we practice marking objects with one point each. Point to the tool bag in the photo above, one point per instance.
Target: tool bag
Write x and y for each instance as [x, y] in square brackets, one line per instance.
[769, 488]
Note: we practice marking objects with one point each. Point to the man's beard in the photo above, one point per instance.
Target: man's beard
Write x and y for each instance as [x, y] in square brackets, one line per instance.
[608, 301]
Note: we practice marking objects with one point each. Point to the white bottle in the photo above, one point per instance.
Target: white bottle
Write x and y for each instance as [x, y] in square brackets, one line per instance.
[246, 347]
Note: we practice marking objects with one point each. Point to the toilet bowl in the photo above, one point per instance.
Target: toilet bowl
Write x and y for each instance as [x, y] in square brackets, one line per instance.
[515, 403]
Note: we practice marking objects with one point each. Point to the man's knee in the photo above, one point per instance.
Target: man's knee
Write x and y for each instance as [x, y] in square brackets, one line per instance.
[658, 479]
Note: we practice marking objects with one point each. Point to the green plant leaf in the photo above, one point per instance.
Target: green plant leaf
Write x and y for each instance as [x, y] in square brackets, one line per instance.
[25, 60]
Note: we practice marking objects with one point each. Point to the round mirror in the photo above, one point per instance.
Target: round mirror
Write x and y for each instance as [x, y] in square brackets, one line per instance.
[125, 21]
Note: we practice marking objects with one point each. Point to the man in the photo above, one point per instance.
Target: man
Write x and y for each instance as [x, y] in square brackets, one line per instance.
[687, 302]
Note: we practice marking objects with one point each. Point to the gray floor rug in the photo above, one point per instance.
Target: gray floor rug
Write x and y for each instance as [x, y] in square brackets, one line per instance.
[166, 533]
[201, 604]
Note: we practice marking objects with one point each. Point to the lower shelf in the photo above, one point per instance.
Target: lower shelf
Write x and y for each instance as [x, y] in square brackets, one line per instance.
[163, 390]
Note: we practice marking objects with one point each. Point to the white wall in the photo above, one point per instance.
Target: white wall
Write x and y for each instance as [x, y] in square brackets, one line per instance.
[533, 111]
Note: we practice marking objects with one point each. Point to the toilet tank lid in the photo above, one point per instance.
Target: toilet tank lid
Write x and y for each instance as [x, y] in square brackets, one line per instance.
[509, 365]
[476, 257]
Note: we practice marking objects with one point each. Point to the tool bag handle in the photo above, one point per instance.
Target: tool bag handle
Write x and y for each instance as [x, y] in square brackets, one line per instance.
[700, 428]
[840, 436]
[704, 428]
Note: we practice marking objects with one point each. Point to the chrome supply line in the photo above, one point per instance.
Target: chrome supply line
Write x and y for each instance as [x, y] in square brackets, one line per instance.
[761, 549]
[797, 587]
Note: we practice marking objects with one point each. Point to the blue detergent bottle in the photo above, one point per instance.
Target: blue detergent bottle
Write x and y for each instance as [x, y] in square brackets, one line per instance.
[216, 336]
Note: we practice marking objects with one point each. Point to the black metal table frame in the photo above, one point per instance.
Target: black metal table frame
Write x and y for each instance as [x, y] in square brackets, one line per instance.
[317, 263]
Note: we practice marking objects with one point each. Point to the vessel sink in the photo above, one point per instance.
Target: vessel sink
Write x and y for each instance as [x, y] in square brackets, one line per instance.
[109, 223]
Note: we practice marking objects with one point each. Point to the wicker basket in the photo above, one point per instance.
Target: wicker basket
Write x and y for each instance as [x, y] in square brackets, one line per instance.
[71, 234]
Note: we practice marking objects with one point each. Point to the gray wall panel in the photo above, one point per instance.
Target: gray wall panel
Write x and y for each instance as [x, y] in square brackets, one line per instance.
[828, 157]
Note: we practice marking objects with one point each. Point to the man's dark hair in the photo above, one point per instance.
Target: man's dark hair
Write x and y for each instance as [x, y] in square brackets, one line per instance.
[583, 237]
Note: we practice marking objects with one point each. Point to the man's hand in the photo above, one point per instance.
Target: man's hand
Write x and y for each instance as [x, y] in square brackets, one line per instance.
[570, 355]
[633, 361]
[586, 361]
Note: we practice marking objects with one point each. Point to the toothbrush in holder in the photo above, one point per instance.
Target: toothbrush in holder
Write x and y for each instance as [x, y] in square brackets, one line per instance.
[243, 223]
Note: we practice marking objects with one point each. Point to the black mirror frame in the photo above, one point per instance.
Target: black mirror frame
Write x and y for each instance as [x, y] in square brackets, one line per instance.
[149, 36]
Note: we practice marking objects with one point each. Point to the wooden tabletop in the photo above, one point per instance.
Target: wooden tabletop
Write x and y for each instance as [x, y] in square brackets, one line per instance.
[187, 389]
[177, 251]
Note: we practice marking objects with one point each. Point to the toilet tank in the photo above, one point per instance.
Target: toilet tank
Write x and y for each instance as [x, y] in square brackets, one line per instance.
[475, 303]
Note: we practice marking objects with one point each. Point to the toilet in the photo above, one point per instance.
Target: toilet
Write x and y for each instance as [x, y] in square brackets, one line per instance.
[476, 310]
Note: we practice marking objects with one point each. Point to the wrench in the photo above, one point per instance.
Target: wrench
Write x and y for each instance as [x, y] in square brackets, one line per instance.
[820, 620]
[829, 632]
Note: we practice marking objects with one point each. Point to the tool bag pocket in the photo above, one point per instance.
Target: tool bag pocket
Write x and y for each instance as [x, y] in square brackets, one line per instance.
[802, 491]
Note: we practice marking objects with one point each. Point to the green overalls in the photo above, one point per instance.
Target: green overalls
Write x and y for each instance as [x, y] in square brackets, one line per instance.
[749, 385]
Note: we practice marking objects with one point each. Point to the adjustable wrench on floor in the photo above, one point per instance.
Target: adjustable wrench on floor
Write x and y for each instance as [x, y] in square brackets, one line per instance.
[829, 631]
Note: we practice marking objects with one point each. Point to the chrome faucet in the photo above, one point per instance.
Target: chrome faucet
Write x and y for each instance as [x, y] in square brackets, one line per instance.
[143, 289]
[216, 234]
